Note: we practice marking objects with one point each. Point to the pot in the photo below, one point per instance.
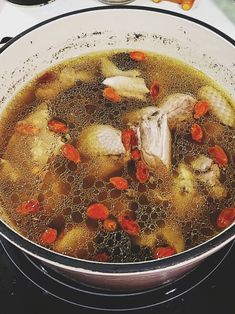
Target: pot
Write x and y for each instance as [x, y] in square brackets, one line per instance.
[95, 29]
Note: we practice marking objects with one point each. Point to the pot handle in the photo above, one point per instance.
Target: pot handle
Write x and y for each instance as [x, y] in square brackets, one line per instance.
[3, 41]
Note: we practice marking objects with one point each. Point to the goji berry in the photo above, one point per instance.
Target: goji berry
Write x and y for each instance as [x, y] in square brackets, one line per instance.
[119, 183]
[137, 56]
[111, 94]
[200, 109]
[129, 139]
[162, 251]
[109, 225]
[31, 206]
[128, 223]
[196, 132]
[102, 257]
[57, 126]
[142, 172]
[154, 90]
[71, 153]
[48, 236]
[219, 155]
[97, 211]
[135, 155]
[226, 217]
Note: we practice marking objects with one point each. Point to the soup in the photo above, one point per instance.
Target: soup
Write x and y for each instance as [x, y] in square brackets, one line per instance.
[119, 156]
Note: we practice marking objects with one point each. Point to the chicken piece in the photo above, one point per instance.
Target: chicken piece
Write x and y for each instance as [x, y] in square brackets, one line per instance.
[69, 76]
[38, 118]
[134, 117]
[66, 79]
[219, 106]
[29, 164]
[185, 196]
[8, 171]
[131, 87]
[48, 91]
[74, 241]
[209, 175]
[211, 180]
[154, 140]
[106, 166]
[103, 145]
[35, 149]
[46, 143]
[171, 233]
[98, 140]
[178, 107]
[202, 163]
[109, 69]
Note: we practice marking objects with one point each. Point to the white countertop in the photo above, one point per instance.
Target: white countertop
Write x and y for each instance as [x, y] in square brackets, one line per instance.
[17, 18]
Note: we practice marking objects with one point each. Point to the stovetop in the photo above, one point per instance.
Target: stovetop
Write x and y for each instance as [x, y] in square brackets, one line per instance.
[16, 18]
[28, 287]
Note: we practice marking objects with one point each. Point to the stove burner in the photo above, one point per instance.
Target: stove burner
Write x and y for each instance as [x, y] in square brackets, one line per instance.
[83, 296]
[30, 2]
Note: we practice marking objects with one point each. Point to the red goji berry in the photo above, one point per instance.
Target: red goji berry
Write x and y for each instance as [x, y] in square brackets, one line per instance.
[161, 252]
[135, 155]
[130, 226]
[111, 94]
[119, 183]
[71, 153]
[226, 217]
[142, 172]
[102, 257]
[154, 90]
[57, 126]
[137, 56]
[29, 207]
[129, 139]
[97, 211]
[196, 132]
[219, 155]
[128, 223]
[200, 109]
[48, 236]
[109, 225]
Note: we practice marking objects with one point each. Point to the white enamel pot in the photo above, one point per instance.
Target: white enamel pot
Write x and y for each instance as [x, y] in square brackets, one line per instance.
[89, 30]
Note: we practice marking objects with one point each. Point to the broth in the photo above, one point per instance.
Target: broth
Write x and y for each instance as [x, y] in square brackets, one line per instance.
[80, 173]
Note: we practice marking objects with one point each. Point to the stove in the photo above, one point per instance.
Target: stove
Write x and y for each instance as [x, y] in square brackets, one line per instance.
[27, 286]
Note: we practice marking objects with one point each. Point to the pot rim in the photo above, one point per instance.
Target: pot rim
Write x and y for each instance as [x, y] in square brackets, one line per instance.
[118, 268]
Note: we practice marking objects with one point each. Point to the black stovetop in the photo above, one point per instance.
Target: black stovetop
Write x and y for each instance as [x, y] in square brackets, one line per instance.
[215, 295]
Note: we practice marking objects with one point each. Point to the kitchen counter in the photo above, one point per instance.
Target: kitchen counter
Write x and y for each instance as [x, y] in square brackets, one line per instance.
[16, 18]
